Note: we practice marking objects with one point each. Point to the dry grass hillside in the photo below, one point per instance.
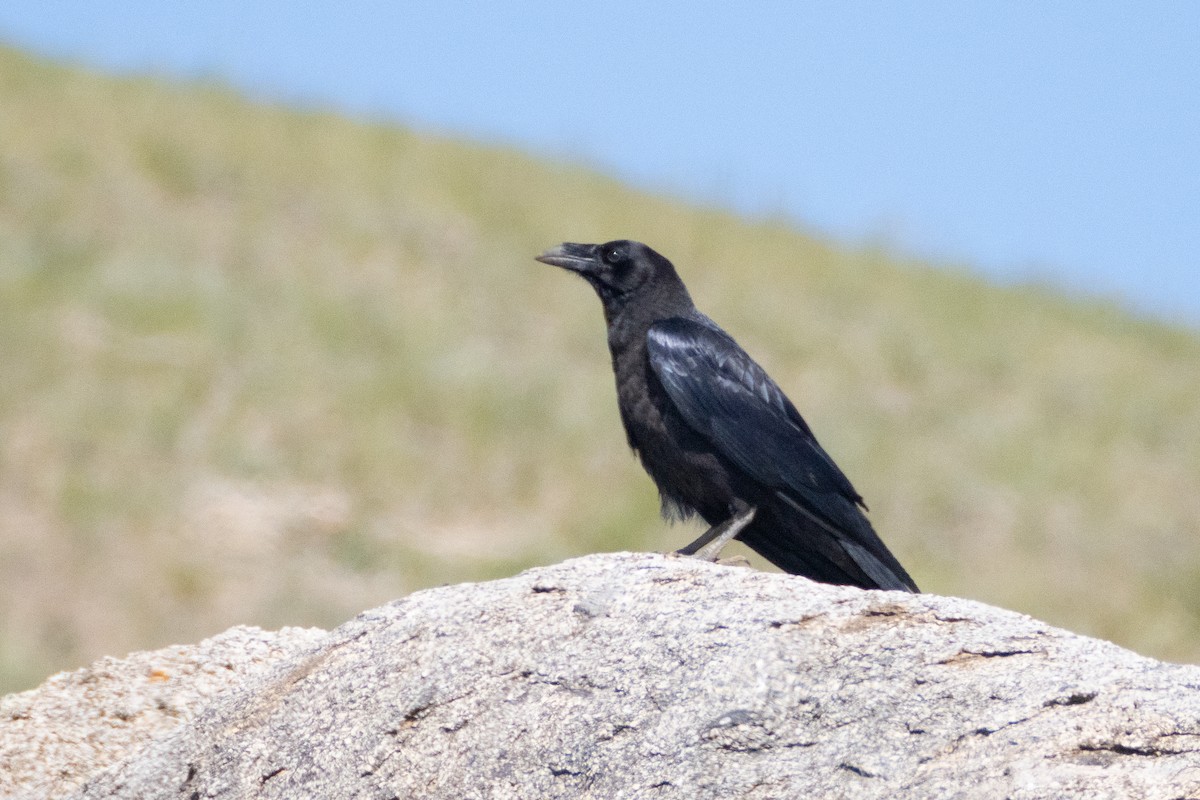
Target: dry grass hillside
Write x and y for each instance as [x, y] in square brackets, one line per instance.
[272, 366]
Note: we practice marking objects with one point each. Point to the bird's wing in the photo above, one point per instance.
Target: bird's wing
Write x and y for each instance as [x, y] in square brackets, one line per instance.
[731, 401]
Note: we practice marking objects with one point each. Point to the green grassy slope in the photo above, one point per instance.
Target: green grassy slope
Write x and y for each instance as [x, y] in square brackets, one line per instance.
[270, 366]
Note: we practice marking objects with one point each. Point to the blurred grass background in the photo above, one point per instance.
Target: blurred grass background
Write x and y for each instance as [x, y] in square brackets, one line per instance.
[275, 366]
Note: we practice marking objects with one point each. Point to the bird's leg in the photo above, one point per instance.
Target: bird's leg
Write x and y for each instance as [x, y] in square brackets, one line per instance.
[710, 543]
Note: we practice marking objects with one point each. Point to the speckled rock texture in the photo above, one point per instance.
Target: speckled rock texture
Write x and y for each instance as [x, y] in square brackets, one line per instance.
[644, 676]
[77, 723]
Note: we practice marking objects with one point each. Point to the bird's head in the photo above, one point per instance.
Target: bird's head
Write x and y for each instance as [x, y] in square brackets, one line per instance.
[620, 271]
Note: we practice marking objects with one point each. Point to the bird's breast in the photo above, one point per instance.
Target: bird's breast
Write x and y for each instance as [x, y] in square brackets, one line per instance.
[687, 470]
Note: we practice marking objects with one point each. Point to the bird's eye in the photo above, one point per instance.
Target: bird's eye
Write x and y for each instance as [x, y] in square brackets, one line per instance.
[612, 255]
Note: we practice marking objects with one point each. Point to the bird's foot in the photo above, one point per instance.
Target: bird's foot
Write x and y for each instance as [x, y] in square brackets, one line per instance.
[709, 545]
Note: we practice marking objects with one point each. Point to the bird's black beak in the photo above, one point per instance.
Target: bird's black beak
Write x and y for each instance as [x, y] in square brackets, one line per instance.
[579, 258]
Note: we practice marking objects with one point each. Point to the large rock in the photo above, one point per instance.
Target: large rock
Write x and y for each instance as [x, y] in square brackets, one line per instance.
[641, 676]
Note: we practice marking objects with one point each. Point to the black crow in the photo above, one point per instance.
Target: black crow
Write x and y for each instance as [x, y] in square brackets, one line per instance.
[717, 435]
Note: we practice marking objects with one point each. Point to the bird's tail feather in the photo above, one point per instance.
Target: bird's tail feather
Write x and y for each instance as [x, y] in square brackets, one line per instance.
[803, 544]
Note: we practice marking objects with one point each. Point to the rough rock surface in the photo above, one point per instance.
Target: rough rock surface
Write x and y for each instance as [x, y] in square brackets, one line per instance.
[76, 723]
[641, 676]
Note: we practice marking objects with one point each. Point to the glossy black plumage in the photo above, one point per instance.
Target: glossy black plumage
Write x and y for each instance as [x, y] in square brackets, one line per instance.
[715, 433]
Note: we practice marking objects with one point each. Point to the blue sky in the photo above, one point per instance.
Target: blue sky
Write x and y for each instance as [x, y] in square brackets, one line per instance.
[1058, 141]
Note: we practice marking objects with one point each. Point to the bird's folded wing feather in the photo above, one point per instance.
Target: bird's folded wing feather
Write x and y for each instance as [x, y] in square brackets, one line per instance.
[731, 401]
